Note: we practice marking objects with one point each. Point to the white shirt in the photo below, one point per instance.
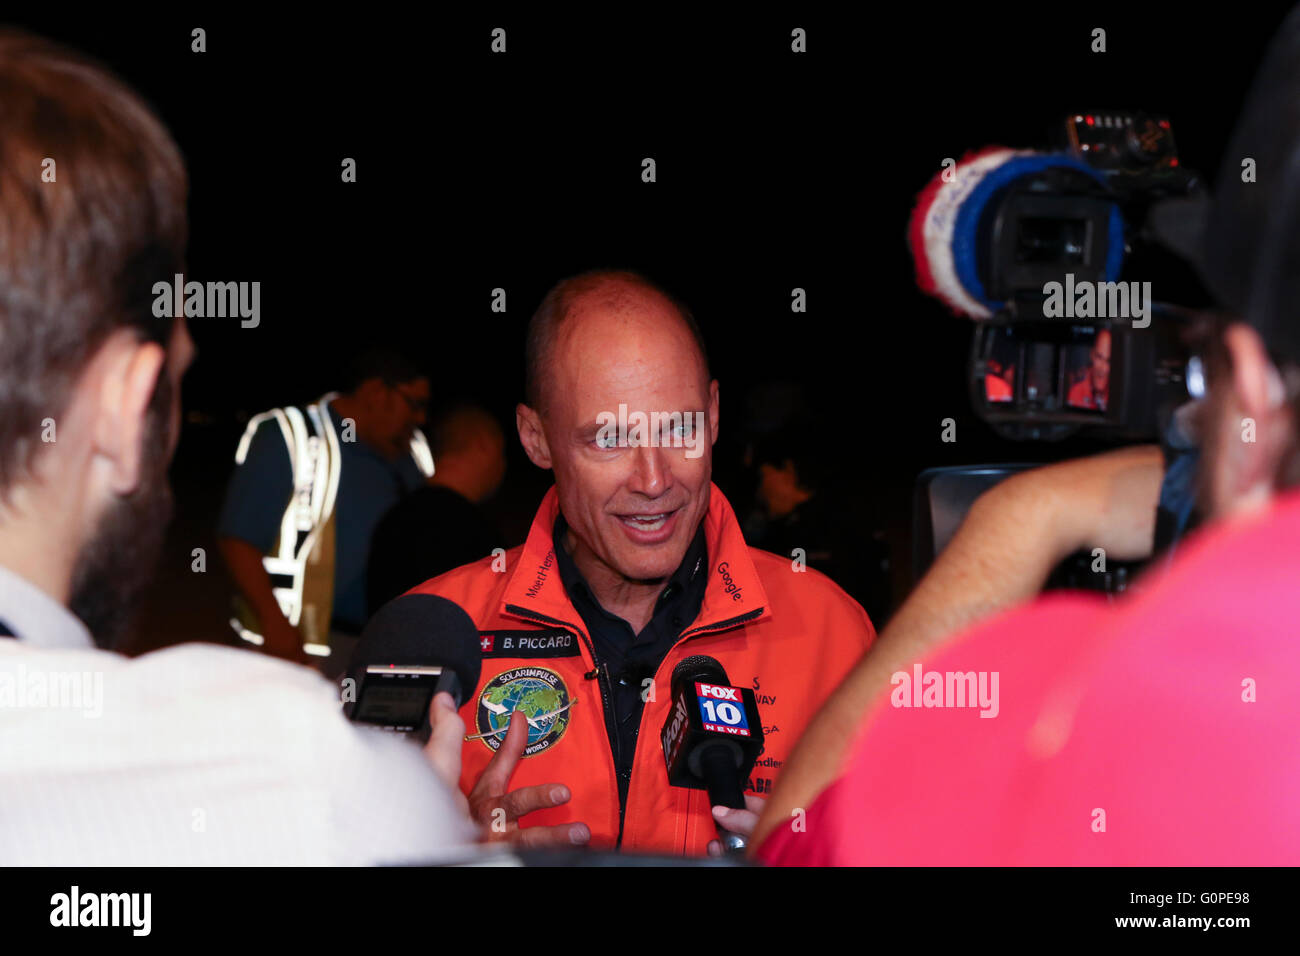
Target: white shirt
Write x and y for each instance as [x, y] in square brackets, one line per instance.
[196, 754]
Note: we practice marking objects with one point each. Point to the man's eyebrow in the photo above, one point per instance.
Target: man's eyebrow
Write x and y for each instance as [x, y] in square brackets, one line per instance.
[685, 414]
[592, 429]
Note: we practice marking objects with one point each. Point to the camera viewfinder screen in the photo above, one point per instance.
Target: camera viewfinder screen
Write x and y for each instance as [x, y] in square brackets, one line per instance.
[1087, 373]
[1000, 370]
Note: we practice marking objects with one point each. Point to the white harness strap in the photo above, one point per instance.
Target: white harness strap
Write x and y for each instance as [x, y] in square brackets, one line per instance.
[316, 462]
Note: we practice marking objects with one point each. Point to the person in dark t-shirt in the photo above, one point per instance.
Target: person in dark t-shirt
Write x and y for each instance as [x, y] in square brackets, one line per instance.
[801, 515]
[441, 526]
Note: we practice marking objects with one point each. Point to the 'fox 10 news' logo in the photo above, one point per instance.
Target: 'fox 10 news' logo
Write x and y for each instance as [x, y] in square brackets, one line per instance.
[722, 709]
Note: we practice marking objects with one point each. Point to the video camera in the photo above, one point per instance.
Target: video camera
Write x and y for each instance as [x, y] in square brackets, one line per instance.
[1032, 246]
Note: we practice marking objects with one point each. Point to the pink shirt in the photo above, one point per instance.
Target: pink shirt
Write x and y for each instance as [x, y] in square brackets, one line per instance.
[1161, 730]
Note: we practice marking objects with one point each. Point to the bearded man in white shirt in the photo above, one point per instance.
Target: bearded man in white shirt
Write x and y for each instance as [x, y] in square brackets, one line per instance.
[192, 755]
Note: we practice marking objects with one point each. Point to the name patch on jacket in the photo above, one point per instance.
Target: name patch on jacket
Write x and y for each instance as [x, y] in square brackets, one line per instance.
[555, 643]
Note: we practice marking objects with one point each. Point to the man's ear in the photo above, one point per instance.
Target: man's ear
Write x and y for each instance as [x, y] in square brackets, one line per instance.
[532, 436]
[128, 377]
[713, 412]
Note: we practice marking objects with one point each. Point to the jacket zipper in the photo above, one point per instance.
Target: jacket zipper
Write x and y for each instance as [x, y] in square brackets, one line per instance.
[681, 638]
[720, 626]
[602, 676]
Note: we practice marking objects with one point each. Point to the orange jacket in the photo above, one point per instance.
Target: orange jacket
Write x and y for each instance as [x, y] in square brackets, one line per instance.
[789, 635]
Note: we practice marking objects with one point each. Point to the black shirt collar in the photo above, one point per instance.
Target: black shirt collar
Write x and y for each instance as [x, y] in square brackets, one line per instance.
[688, 578]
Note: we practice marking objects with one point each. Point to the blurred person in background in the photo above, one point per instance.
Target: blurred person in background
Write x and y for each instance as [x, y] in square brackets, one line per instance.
[805, 518]
[441, 526]
[310, 486]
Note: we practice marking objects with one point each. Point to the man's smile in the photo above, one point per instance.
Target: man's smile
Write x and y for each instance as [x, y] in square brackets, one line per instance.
[650, 527]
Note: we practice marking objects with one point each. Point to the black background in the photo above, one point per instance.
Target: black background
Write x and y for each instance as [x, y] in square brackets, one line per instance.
[477, 171]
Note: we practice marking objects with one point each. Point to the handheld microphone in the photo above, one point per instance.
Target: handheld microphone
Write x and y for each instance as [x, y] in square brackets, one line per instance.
[414, 647]
[712, 737]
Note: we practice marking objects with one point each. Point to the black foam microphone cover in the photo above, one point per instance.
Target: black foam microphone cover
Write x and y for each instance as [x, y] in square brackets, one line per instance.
[422, 629]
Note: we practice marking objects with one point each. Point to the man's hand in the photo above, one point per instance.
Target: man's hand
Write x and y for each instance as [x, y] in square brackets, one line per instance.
[1103, 501]
[444, 744]
[279, 637]
[741, 822]
[498, 808]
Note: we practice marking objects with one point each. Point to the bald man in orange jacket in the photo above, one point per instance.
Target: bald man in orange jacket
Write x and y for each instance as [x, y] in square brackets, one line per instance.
[634, 562]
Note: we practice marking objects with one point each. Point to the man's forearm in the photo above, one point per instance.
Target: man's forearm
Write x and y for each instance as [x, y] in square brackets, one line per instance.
[245, 564]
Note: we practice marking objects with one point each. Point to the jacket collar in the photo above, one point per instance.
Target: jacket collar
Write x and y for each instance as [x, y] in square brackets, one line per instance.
[732, 591]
